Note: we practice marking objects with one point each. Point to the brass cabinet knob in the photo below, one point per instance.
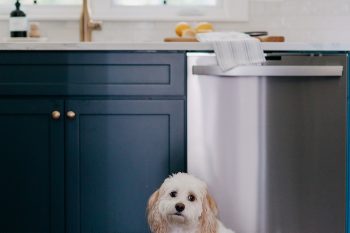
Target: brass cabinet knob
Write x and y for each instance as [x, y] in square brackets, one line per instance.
[56, 115]
[71, 115]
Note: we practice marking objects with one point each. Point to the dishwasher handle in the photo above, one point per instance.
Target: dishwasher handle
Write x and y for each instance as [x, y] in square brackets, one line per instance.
[280, 71]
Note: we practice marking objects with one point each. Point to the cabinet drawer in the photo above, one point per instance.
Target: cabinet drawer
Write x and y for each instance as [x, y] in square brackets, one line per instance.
[92, 73]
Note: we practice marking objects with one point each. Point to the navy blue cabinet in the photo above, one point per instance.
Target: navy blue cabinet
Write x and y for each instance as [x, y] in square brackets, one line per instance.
[118, 153]
[31, 166]
[92, 73]
[120, 133]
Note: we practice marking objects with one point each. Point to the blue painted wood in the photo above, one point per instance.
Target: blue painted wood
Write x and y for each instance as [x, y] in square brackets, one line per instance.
[94, 173]
[31, 167]
[347, 225]
[92, 73]
[118, 153]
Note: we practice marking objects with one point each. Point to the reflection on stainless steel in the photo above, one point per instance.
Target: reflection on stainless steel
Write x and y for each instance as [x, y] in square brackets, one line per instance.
[271, 149]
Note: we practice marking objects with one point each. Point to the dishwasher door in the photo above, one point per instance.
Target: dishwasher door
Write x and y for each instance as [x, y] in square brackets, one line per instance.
[270, 141]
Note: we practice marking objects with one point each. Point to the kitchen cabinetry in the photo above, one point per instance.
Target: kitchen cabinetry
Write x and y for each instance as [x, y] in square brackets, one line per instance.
[31, 166]
[86, 137]
[118, 152]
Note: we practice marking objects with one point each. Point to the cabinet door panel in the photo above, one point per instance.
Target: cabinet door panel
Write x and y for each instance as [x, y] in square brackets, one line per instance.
[119, 152]
[31, 166]
[92, 73]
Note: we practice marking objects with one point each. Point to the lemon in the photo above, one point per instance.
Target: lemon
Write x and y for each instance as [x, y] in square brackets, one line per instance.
[180, 27]
[204, 27]
[189, 33]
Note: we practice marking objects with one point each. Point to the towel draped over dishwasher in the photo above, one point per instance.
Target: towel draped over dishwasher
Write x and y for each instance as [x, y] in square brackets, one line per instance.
[233, 49]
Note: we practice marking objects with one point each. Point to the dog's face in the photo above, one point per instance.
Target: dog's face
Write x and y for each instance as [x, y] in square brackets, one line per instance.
[181, 202]
[181, 199]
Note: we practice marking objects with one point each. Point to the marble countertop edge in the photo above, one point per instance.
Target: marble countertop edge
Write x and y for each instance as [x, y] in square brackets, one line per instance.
[162, 46]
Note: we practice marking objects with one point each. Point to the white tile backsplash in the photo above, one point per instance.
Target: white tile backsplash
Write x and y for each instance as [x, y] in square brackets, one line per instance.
[298, 20]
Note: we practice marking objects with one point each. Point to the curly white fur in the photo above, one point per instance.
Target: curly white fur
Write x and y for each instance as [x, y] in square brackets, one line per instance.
[183, 205]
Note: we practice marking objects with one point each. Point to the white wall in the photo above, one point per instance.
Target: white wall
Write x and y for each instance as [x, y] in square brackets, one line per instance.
[298, 20]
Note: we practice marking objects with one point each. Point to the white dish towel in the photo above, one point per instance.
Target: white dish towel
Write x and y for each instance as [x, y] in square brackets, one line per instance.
[233, 49]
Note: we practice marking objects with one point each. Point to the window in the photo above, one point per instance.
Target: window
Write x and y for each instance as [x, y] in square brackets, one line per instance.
[43, 2]
[174, 10]
[134, 10]
[165, 2]
[43, 9]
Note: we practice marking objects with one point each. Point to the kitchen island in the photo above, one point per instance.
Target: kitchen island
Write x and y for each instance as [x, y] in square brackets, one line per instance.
[90, 130]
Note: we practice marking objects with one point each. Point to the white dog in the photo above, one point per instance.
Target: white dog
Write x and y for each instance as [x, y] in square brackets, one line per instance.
[182, 205]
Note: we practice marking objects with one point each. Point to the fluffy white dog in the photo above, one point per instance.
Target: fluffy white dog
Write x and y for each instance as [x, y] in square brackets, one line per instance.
[182, 205]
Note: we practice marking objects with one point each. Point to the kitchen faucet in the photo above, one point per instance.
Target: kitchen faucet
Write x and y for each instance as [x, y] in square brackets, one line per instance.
[87, 25]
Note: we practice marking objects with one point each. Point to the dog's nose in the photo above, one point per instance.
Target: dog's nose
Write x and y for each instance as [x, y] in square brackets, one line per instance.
[180, 207]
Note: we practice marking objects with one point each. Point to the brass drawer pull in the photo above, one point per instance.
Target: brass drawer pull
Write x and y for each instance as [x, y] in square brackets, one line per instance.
[71, 115]
[56, 115]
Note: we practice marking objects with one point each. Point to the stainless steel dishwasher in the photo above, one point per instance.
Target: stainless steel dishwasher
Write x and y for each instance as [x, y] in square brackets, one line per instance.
[270, 141]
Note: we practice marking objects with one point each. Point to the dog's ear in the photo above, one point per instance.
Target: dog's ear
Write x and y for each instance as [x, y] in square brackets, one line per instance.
[208, 221]
[155, 221]
[212, 205]
[152, 200]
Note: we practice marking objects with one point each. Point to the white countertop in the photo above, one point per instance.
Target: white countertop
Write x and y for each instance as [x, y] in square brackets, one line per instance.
[159, 46]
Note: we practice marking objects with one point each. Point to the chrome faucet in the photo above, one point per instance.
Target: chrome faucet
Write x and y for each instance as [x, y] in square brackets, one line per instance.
[87, 25]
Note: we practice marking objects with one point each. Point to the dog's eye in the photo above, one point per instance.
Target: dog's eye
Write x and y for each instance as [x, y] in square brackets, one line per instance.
[191, 198]
[173, 194]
